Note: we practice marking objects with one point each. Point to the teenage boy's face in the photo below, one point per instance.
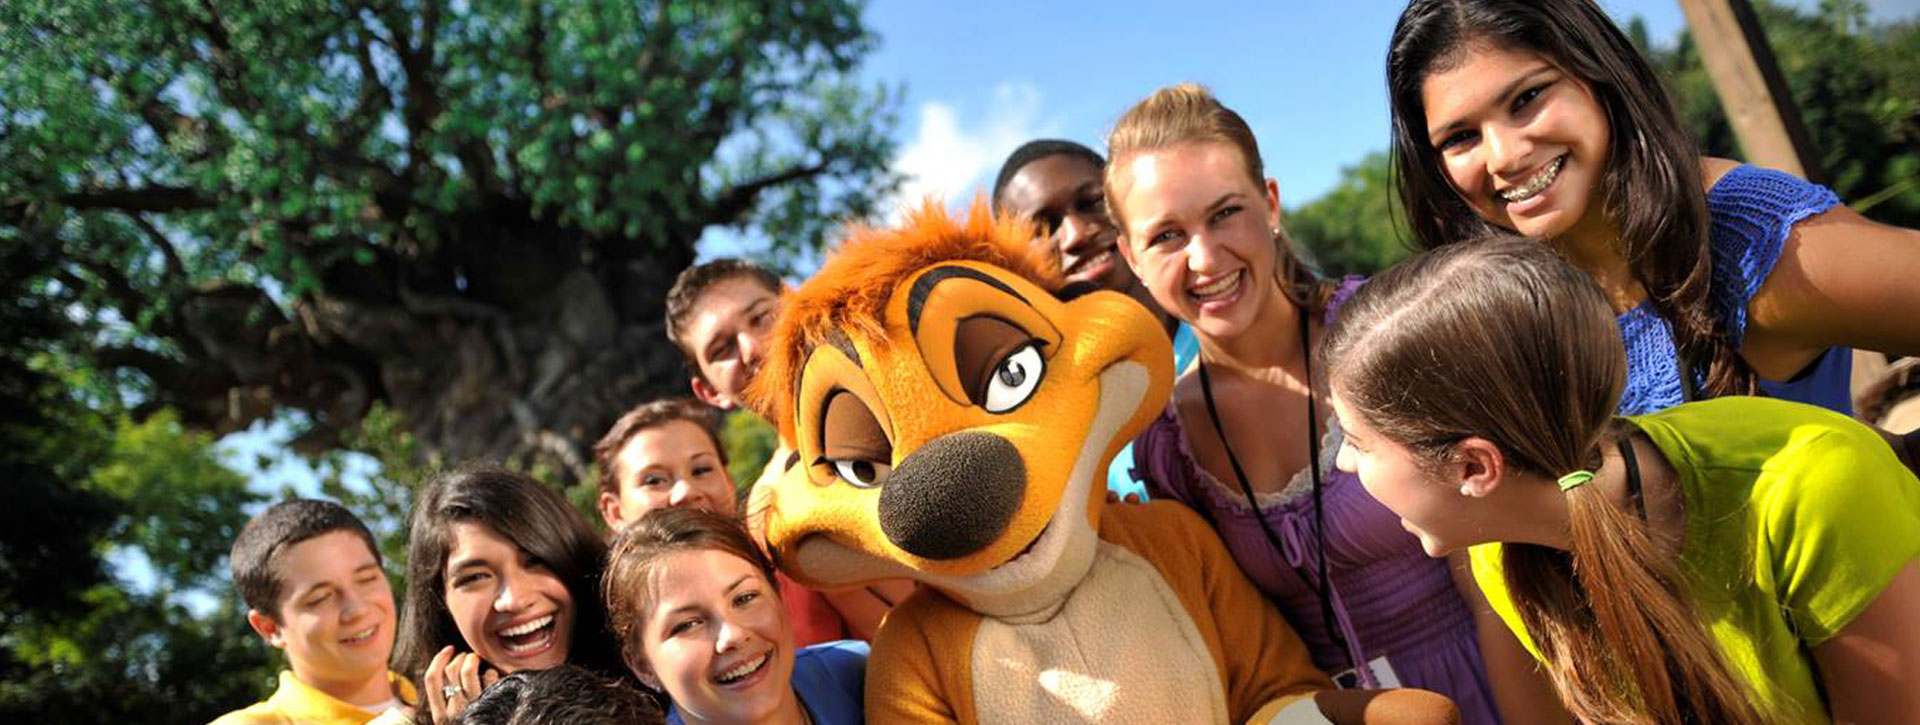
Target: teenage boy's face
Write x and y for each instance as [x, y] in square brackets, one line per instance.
[727, 334]
[335, 617]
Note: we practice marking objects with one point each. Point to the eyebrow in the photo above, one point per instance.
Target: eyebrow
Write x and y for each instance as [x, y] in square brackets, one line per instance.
[1505, 93]
[465, 564]
[1223, 200]
[307, 591]
[1156, 224]
[752, 307]
[696, 605]
[923, 288]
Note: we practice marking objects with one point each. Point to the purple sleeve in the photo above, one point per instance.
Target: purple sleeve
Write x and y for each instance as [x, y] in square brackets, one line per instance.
[1169, 474]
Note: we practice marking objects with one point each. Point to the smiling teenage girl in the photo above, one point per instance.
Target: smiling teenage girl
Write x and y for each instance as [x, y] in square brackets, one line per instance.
[501, 575]
[1738, 560]
[1540, 117]
[696, 613]
[1241, 443]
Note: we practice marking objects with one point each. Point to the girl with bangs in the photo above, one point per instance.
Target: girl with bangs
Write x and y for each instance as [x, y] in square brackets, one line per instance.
[502, 576]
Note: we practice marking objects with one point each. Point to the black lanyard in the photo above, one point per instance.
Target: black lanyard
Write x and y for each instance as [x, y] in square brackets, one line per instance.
[1323, 586]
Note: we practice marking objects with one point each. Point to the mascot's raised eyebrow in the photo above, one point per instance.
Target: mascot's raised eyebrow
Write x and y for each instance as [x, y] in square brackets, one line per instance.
[952, 417]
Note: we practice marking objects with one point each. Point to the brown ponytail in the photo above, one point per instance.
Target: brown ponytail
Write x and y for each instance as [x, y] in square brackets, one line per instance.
[1503, 340]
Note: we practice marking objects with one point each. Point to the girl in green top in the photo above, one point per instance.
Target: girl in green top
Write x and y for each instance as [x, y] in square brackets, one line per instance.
[1740, 560]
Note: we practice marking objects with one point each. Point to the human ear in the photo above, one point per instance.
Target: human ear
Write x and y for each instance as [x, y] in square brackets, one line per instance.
[1273, 203]
[707, 393]
[268, 629]
[1478, 467]
[610, 509]
[644, 672]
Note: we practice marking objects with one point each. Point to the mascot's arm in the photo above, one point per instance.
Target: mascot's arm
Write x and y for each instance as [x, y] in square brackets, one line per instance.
[1270, 677]
[1264, 664]
[905, 678]
[1268, 671]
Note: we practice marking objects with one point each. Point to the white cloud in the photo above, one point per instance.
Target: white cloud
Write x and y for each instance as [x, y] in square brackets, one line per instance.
[953, 158]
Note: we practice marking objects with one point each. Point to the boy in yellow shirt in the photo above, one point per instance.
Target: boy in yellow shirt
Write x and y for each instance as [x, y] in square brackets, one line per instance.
[314, 587]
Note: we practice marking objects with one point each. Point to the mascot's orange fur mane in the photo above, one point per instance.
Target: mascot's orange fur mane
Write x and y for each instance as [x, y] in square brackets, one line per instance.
[850, 292]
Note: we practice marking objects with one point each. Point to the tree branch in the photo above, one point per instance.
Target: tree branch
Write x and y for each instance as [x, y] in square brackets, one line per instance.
[176, 269]
[148, 199]
[728, 206]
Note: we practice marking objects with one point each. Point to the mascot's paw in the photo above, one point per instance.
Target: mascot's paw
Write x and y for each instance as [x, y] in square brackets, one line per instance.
[1402, 706]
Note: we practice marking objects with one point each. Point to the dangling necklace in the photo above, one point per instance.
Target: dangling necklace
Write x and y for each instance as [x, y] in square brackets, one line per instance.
[1322, 586]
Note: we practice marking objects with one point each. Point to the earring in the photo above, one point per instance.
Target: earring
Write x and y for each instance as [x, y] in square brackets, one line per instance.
[1466, 491]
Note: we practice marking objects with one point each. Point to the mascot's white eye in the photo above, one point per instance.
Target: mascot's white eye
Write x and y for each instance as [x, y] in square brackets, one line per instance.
[860, 472]
[1014, 379]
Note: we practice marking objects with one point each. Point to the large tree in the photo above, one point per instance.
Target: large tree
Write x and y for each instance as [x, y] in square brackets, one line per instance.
[1857, 86]
[467, 210]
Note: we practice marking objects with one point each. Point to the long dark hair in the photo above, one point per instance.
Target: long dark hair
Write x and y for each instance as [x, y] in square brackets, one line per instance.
[1652, 184]
[1503, 340]
[531, 515]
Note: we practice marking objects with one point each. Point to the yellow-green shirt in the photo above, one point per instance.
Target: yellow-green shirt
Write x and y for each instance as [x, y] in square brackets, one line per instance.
[298, 702]
[1797, 518]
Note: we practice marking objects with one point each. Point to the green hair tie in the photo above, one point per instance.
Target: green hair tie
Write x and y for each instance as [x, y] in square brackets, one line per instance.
[1573, 480]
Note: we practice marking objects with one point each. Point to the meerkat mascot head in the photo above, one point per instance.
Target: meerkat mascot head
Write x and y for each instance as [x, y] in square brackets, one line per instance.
[952, 411]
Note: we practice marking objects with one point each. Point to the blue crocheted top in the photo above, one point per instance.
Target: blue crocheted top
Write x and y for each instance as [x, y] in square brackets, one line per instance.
[1751, 210]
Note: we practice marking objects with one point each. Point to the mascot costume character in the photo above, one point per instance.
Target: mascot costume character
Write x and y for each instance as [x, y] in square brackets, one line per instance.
[951, 412]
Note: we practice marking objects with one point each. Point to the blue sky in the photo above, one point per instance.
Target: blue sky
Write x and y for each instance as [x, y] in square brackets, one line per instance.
[1309, 77]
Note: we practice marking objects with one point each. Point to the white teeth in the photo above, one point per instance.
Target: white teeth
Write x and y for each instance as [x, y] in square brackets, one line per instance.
[358, 636]
[1093, 261]
[1216, 288]
[1534, 185]
[745, 668]
[527, 628]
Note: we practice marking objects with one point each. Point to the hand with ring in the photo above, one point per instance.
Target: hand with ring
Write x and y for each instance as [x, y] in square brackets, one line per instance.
[457, 679]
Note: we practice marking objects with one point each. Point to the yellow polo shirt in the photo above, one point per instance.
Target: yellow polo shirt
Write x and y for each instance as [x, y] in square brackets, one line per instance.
[297, 702]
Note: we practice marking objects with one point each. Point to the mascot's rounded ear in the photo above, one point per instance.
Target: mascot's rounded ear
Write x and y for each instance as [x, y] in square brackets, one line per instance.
[1077, 290]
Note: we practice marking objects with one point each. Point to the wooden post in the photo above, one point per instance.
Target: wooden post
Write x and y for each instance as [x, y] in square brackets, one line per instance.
[1752, 92]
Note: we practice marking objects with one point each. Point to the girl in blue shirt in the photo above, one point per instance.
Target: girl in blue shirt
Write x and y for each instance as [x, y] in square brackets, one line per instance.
[693, 604]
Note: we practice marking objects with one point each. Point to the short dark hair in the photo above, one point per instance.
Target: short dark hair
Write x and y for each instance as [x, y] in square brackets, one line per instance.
[277, 529]
[647, 415]
[1032, 151]
[564, 695]
[695, 281]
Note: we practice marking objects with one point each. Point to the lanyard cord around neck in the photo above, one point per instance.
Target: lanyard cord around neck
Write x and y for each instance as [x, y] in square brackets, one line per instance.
[1323, 587]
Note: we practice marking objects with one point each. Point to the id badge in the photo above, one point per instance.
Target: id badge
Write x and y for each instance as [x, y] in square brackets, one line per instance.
[1382, 673]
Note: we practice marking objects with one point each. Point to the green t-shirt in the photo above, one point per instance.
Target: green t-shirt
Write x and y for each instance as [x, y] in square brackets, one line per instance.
[1797, 518]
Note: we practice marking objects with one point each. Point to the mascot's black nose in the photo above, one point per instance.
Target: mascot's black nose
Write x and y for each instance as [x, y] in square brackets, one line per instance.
[954, 496]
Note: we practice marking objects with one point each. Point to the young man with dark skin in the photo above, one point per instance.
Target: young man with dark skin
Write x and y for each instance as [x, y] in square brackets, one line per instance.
[720, 314]
[1056, 186]
[314, 587]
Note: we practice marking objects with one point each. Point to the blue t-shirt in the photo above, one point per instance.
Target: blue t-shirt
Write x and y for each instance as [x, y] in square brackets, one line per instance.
[1120, 474]
[1750, 212]
[831, 680]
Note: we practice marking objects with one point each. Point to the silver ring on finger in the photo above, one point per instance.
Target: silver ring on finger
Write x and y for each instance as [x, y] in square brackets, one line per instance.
[448, 691]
